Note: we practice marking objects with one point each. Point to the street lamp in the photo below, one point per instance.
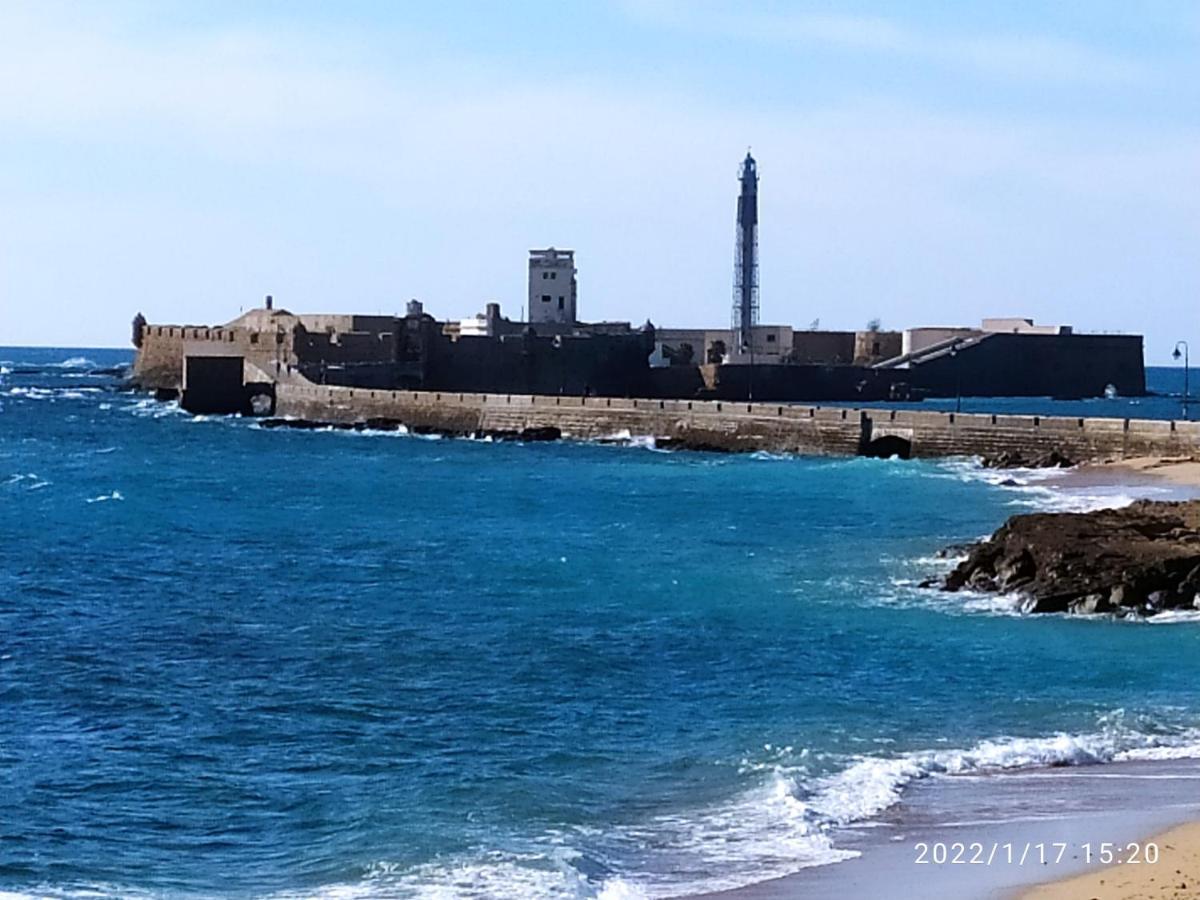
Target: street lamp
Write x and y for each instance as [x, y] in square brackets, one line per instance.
[1186, 369]
[957, 378]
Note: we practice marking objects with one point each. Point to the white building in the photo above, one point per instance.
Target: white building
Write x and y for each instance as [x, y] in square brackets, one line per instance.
[552, 288]
[772, 344]
[1022, 326]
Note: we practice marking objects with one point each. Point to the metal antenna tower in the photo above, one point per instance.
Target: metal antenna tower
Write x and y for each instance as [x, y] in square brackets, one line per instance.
[745, 259]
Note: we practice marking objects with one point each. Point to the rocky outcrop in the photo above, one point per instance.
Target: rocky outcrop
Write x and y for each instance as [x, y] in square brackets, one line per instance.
[1016, 459]
[532, 434]
[1141, 559]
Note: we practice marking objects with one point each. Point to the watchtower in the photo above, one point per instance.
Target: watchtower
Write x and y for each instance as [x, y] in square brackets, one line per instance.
[552, 287]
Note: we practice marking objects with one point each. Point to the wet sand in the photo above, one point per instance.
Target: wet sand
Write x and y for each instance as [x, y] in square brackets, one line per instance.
[1182, 471]
[1117, 803]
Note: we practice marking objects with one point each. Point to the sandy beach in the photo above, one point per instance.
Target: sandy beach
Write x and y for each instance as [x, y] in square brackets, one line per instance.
[1175, 876]
[1183, 471]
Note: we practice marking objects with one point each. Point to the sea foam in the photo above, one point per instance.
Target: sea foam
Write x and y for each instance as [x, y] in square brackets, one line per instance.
[787, 822]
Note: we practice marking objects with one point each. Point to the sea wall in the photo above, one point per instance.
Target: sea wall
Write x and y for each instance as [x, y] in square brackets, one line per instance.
[740, 426]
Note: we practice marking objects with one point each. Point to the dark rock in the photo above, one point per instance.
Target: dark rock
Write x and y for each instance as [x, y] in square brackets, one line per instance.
[544, 433]
[1089, 605]
[1143, 558]
[1016, 459]
[950, 551]
[1015, 571]
[696, 444]
[384, 424]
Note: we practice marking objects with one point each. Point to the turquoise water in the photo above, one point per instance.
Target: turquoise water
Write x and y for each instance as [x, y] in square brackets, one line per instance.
[252, 662]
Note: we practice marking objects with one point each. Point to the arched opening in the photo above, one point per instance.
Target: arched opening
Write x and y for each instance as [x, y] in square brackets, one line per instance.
[887, 446]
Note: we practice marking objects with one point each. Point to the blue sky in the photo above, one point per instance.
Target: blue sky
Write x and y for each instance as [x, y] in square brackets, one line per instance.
[925, 163]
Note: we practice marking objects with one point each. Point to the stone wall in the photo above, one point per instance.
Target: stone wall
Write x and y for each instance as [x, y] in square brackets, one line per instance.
[823, 347]
[159, 360]
[873, 346]
[739, 426]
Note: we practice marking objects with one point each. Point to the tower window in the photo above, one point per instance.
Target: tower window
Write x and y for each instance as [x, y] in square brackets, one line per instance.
[770, 338]
[545, 275]
[553, 274]
[560, 302]
[545, 298]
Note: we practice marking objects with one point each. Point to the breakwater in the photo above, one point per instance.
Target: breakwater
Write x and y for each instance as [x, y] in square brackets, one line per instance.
[739, 426]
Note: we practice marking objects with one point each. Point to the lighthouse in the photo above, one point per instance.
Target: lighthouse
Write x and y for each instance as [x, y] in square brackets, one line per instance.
[745, 259]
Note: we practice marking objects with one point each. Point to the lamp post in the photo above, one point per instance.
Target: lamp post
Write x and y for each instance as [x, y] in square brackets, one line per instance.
[957, 379]
[1186, 371]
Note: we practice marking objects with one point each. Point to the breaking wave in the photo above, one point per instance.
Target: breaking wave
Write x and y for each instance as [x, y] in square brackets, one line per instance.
[790, 820]
[75, 362]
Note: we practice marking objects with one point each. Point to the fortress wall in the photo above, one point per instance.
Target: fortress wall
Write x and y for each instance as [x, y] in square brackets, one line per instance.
[158, 363]
[735, 426]
[159, 359]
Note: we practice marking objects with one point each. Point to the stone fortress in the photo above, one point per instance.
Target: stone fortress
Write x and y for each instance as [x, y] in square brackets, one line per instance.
[551, 352]
[558, 355]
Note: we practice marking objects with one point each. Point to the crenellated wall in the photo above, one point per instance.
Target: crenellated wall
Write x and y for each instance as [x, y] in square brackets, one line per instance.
[744, 426]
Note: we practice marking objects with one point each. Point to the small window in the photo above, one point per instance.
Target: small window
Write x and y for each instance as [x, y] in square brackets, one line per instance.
[553, 275]
[875, 348]
[770, 338]
[545, 275]
[254, 337]
[560, 302]
[545, 298]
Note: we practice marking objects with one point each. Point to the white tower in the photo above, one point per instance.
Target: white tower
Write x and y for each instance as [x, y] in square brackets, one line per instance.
[552, 291]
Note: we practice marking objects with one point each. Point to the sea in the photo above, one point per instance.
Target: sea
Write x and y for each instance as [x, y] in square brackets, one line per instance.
[263, 663]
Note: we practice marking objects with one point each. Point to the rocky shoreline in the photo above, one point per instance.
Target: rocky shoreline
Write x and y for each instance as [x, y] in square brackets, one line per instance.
[1140, 560]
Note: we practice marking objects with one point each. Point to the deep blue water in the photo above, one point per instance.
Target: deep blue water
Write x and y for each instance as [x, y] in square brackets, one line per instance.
[249, 662]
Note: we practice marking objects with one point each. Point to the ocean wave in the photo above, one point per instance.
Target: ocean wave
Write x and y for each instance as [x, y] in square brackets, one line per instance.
[149, 408]
[104, 498]
[37, 392]
[30, 393]
[1031, 491]
[75, 362]
[80, 892]
[494, 876]
[29, 481]
[1064, 499]
[788, 821]
[873, 784]
[625, 438]
[770, 456]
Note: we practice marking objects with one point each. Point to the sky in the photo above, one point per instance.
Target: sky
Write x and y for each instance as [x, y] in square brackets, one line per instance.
[924, 163]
